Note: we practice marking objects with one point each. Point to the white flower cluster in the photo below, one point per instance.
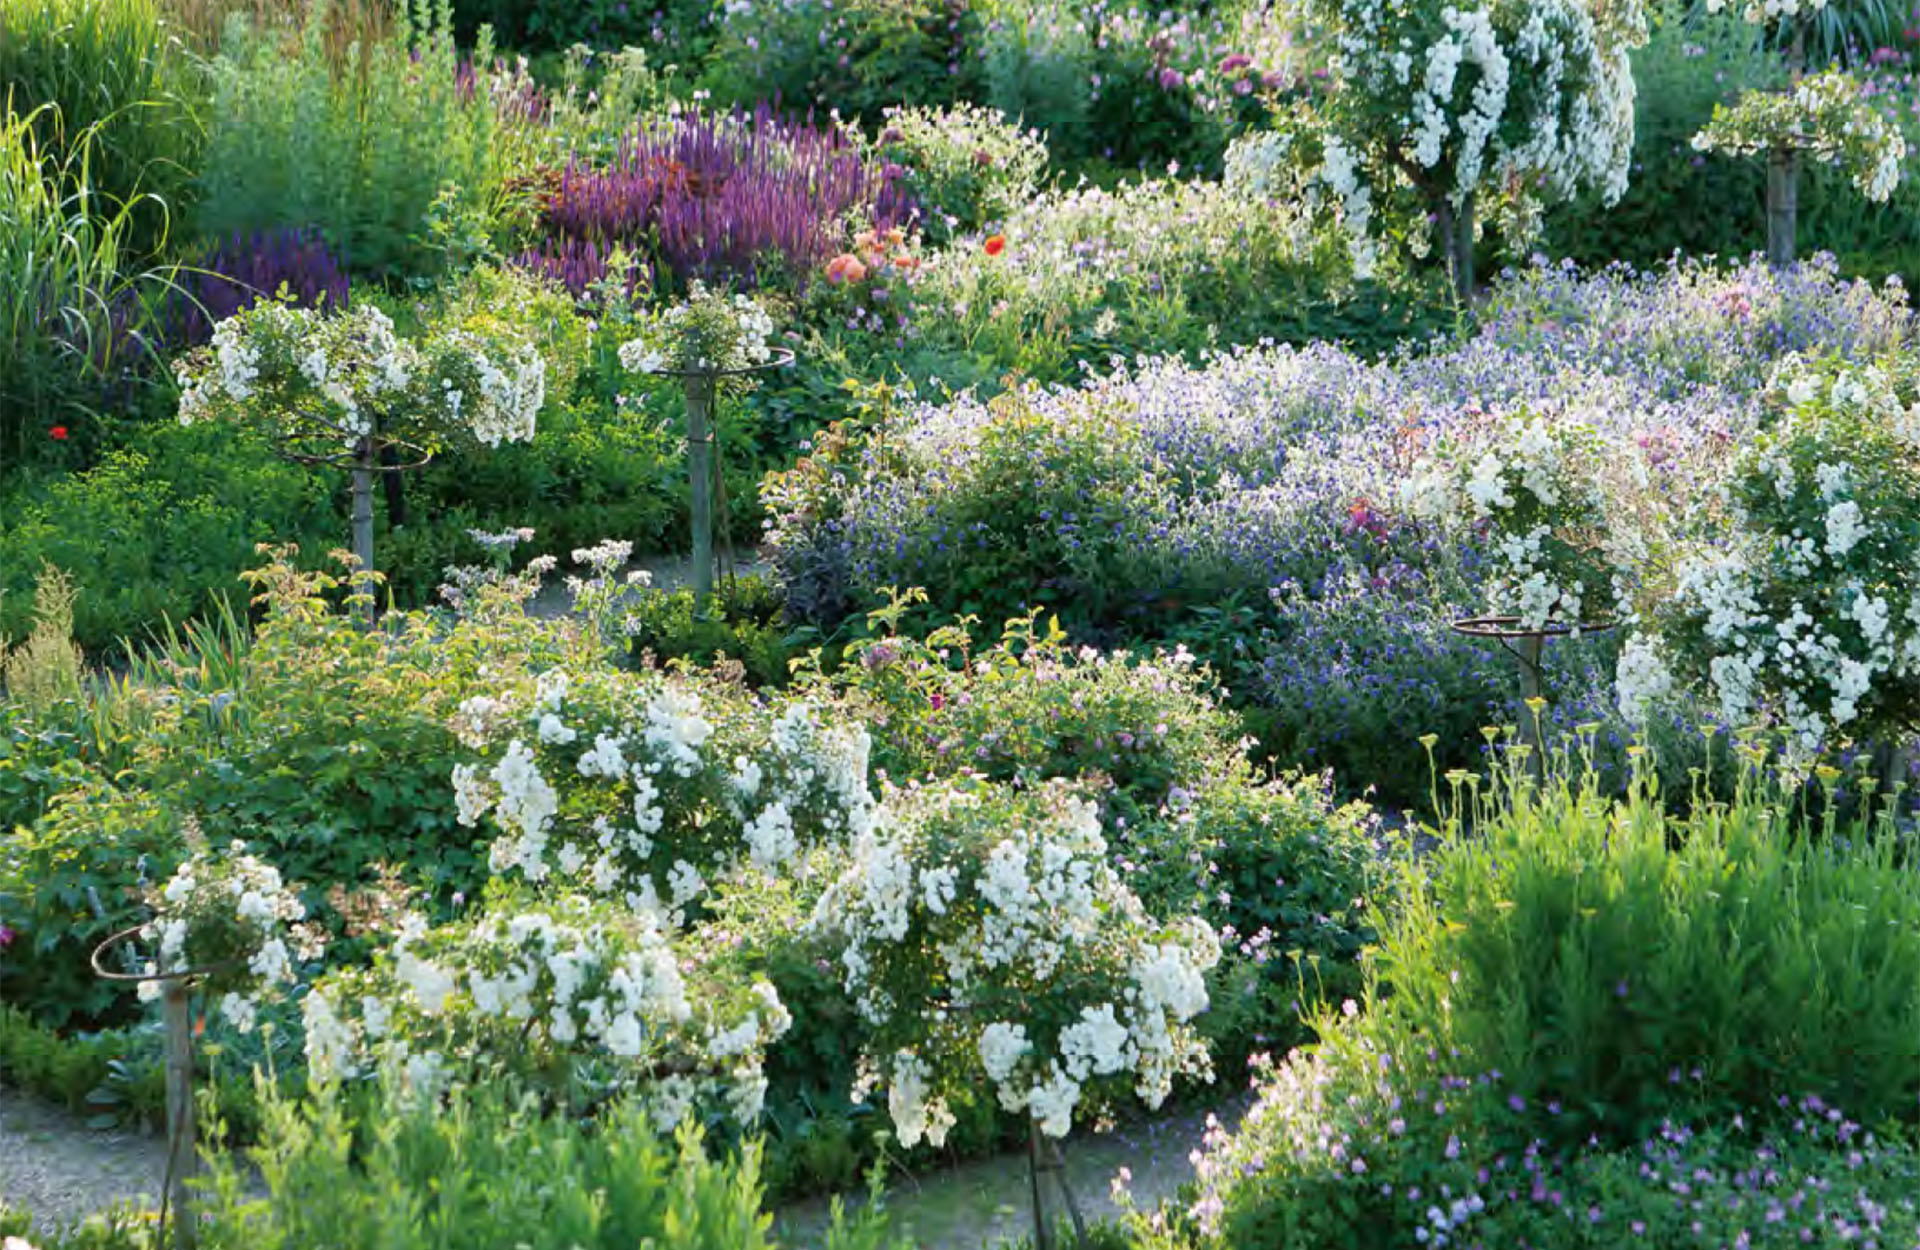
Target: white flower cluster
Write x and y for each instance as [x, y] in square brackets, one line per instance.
[329, 380]
[706, 333]
[1828, 116]
[1529, 98]
[987, 938]
[1519, 483]
[1760, 12]
[1814, 610]
[639, 787]
[232, 916]
[572, 981]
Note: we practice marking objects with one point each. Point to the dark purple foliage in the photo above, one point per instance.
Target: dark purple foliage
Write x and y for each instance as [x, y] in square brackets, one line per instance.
[248, 268]
[737, 198]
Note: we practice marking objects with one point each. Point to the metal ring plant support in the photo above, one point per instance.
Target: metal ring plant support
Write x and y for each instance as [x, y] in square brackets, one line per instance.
[703, 463]
[177, 1017]
[1525, 644]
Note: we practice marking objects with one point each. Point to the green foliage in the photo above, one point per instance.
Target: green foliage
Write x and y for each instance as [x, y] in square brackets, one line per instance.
[742, 628]
[1633, 965]
[859, 57]
[1031, 708]
[67, 882]
[488, 1170]
[359, 151]
[159, 530]
[1296, 886]
[110, 82]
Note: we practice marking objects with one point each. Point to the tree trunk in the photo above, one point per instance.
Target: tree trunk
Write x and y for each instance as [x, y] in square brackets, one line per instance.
[1529, 651]
[700, 473]
[363, 528]
[1783, 205]
[1783, 170]
[1456, 236]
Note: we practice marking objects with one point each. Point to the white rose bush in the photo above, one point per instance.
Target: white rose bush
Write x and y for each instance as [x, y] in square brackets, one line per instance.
[342, 387]
[642, 787]
[229, 918]
[1824, 116]
[1524, 485]
[1811, 612]
[990, 945]
[580, 992]
[1472, 106]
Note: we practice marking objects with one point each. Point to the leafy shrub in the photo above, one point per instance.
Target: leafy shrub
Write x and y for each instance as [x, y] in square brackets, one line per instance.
[359, 152]
[110, 79]
[155, 532]
[1297, 888]
[66, 883]
[857, 58]
[1030, 708]
[965, 166]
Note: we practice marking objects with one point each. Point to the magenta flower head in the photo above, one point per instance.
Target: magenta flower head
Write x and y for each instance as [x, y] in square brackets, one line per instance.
[6, 937]
[1234, 63]
[1172, 79]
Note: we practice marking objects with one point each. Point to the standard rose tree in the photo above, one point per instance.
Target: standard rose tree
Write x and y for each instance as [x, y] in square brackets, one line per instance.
[1467, 106]
[991, 949]
[343, 388]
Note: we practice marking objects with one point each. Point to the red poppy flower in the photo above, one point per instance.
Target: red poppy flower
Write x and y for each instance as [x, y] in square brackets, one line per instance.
[58, 433]
[996, 244]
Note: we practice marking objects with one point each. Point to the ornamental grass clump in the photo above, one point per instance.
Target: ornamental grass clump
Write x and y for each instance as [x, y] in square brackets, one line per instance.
[73, 295]
[1622, 965]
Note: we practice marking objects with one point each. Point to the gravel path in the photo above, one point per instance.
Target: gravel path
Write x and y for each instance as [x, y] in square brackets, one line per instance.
[61, 1171]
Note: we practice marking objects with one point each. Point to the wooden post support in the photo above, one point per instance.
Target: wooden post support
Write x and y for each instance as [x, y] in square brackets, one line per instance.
[363, 526]
[1783, 205]
[700, 471]
[1042, 1227]
[182, 1155]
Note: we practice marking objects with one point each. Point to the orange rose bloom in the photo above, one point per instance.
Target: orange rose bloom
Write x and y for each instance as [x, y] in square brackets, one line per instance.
[996, 244]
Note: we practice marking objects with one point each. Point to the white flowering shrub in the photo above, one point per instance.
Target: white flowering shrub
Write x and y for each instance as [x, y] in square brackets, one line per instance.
[708, 332]
[990, 945]
[1811, 612]
[643, 787]
[1828, 117]
[1508, 101]
[337, 384]
[583, 991]
[1525, 485]
[230, 915]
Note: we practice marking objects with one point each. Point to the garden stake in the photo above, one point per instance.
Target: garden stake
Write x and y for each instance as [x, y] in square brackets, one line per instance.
[700, 469]
[177, 1014]
[1042, 1229]
[1056, 1159]
[363, 461]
